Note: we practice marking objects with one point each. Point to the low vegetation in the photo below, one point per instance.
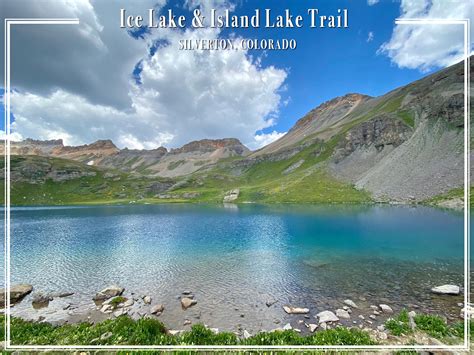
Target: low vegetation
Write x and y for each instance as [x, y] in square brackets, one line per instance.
[432, 325]
[146, 331]
[124, 330]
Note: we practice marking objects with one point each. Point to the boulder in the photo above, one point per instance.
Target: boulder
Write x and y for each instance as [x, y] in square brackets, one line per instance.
[446, 290]
[187, 302]
[327, 316]
[231, 195]
[108, 292]
[386, 308]
[158, 308]
[350, 303]
[17, 293]
[342, 313]
[41, 300]
[295, 310]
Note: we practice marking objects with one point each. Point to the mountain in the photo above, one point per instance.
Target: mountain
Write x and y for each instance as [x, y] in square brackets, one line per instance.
[404, 146]
[154, 162]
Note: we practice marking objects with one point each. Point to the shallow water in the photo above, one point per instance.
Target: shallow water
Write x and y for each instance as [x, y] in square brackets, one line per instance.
[235, 258]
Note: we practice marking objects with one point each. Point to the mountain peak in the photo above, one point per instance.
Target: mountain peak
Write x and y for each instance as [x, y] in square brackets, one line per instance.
[336, 106]
[209, 145]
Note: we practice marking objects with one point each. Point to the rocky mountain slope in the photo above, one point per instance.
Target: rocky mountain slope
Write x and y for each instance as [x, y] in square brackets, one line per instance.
[404, 146]
[155, 162]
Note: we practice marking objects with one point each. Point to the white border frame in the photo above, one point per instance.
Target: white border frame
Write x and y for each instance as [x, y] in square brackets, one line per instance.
[464, 347]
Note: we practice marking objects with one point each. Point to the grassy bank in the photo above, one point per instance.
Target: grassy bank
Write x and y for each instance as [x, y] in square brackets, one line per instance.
[125, 331]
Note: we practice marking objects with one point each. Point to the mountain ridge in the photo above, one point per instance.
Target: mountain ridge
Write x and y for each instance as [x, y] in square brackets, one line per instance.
[404, 146]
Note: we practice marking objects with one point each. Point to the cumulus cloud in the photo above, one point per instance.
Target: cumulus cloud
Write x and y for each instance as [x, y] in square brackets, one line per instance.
[180, 95]
[425, 47]
[94, 59]
[370, 37]
[372, 2]
[264, 139]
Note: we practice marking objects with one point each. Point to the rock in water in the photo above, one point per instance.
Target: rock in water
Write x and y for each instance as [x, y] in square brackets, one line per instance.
[313, 327]
[246, 334]
[351, 303]
[327, 316]
[147, 299]
[159, 308]
[446, 290]
[232, 195]
[342, 313]
[295, 310]
[108, 292]
[187, 302]
[287, 327]
[17, 293]
[41, 300]
[386, 308]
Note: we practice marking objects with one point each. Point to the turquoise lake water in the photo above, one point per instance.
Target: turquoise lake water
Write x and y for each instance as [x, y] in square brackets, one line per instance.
[234, 258]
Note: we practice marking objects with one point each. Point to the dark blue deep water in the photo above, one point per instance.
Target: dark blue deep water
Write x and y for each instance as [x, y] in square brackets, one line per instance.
[234, 258]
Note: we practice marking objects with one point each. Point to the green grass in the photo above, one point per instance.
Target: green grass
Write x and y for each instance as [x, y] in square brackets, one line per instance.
[433, 325]
[125, 331]
[149, 331]
[399, 325]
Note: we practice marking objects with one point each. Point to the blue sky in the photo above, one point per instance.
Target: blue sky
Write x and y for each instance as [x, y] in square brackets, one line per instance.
[131, 88]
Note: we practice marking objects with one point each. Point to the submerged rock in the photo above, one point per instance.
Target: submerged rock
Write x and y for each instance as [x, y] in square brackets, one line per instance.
[41, 300]
[108, 292]
[158, 308]
[327, 316]
[446, 290]
[187, 302]
[295, 310]
[17, 293]
[350, 303]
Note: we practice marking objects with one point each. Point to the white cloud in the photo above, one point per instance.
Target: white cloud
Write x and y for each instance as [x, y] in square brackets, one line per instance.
[372, 2]
[184, 96]
[370, 37]
[264, 139]
[426, 47]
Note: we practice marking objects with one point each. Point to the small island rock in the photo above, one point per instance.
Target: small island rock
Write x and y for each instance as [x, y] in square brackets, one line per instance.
[446, 290]
[295, 310]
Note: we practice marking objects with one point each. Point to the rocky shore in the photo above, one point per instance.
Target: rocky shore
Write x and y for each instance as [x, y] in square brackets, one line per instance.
[114, 301]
